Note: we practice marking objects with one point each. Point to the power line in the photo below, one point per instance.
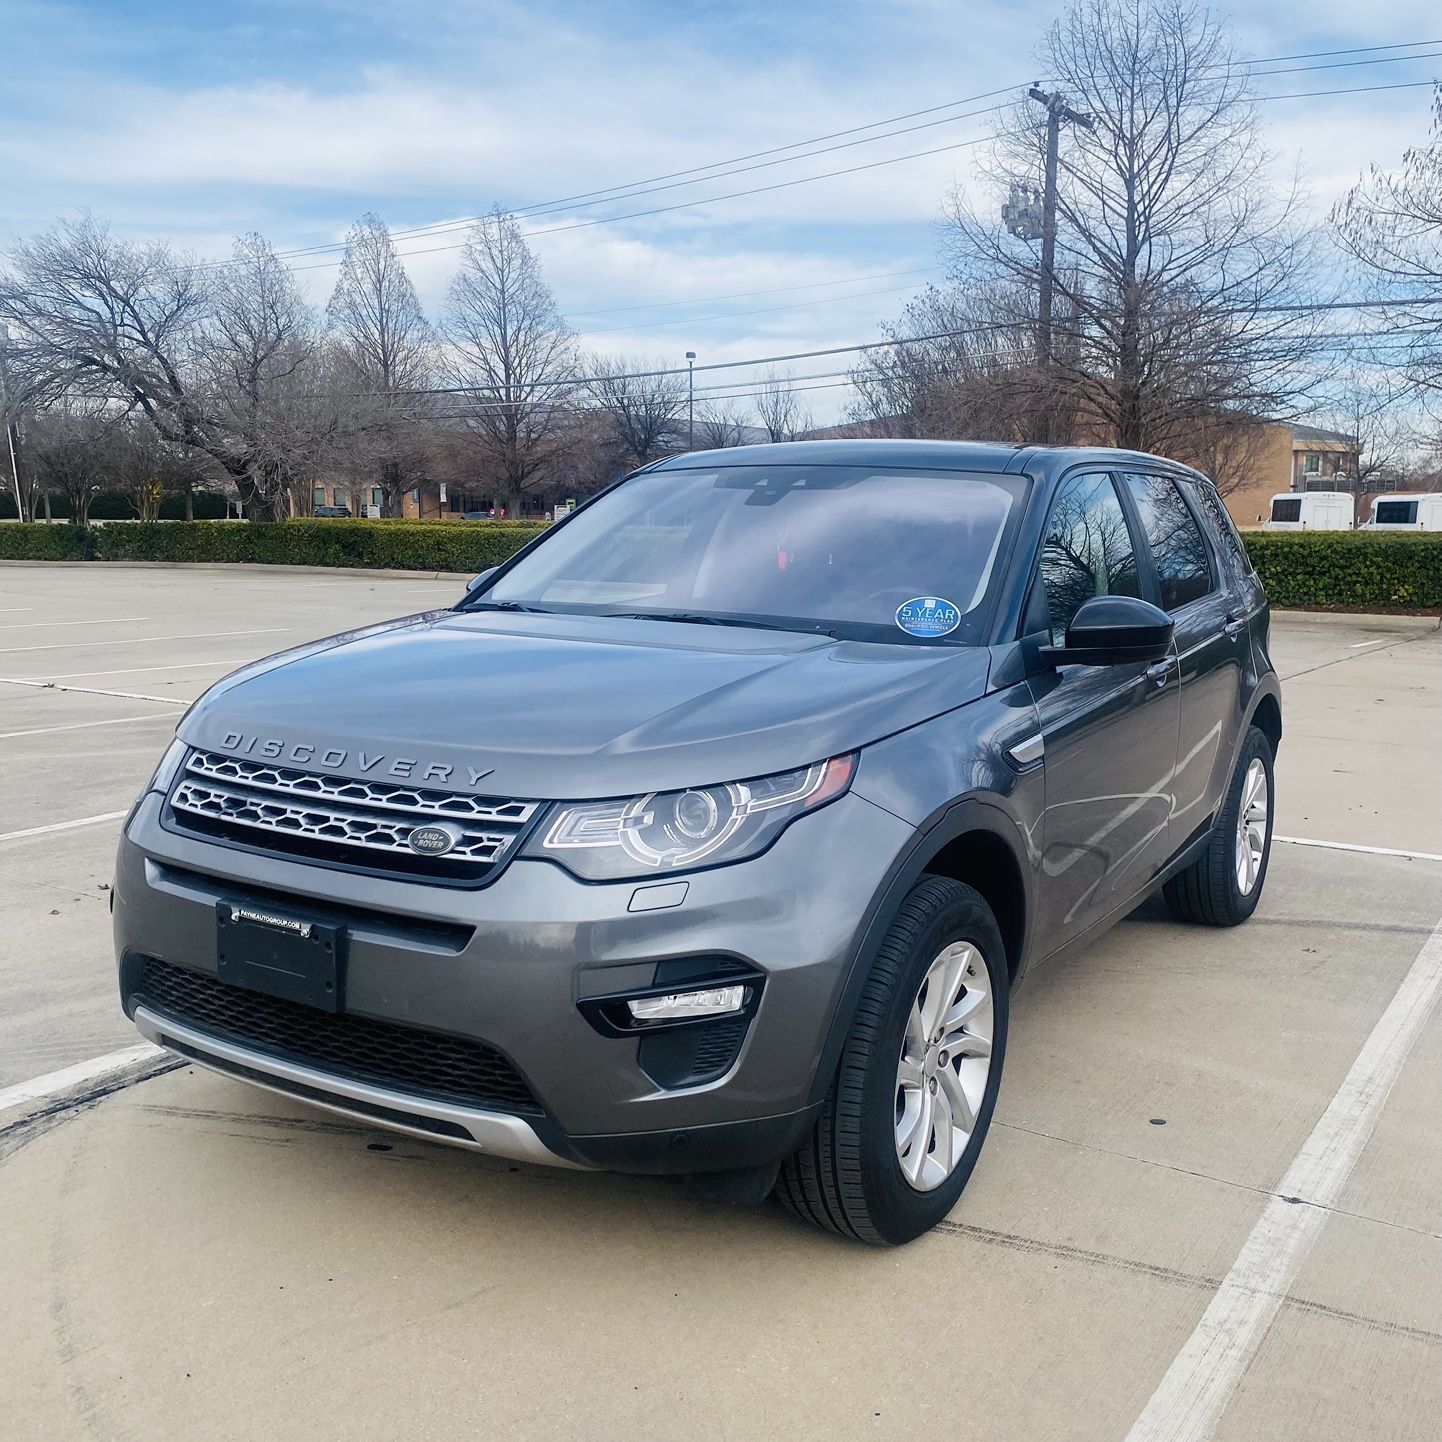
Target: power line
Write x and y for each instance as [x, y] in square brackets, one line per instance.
[747, 294]
[700, 173]
[1358, 90]
[826, 175]
[738, 314]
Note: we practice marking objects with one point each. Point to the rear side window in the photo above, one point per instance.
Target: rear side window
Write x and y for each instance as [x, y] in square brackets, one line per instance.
[1205, 499]
[1287, 509]
[1179, 550]
[1087, 550]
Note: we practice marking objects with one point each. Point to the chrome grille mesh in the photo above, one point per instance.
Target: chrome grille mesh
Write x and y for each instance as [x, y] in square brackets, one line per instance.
[317, 814]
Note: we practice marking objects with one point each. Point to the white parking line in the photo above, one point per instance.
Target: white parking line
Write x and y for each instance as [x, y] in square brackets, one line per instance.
[56, 1084]
[86, 725]
[138, 670]
[98, 621]
[144, 640]
[40, 685]
[1367, 850]
[61, 826]
[1357, 645]
[1191, 1398]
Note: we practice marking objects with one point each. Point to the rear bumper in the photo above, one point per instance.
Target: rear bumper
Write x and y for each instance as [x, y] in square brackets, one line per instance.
[510, 964]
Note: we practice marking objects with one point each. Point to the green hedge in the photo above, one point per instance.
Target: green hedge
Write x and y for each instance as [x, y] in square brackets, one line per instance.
[401, 546]
[1357, 569]
[1363, 570]
[40, 542]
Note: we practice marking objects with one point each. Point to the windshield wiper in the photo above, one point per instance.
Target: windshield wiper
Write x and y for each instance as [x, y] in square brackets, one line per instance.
[699, 618]
[510, 606]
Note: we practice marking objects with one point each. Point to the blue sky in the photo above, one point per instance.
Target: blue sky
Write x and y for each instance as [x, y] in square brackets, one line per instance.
[194, 121]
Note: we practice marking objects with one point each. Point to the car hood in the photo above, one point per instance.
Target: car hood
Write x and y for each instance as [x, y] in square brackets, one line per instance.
[557, 707]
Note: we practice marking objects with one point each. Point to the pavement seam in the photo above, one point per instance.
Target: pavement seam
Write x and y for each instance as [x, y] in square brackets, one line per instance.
[1391, 645]
[1089, 1257]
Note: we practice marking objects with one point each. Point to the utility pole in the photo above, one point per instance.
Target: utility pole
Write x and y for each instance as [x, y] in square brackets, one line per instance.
[1057, 111]
[690, 400]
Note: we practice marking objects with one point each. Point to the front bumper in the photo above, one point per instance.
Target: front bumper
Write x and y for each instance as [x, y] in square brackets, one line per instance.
[509, 965]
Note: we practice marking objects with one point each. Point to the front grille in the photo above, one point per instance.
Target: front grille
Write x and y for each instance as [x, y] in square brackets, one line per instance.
[365, 823]
[383, 1053]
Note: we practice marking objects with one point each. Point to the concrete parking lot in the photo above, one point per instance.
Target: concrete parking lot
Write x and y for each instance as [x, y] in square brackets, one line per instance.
[188, 1253]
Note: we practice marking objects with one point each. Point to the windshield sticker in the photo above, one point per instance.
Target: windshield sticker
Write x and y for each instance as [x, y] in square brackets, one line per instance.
[928, 616]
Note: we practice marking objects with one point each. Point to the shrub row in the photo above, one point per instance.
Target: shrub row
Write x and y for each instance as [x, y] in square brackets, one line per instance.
[393, 545]
[1358, 569]
[1362, 570]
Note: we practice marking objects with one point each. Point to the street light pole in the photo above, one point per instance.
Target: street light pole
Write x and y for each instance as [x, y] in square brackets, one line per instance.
[690, 400]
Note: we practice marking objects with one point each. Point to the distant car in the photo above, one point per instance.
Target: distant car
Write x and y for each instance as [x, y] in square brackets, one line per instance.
[479, 516]
[1311, 511]
[332, 511]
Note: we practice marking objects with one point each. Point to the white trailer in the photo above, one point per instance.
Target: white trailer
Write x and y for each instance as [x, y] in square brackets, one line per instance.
[1311, 511]
[1406, 513]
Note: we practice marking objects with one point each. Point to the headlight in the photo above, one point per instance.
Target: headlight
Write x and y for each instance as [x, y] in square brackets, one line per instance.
[169, 765]
[677, 830]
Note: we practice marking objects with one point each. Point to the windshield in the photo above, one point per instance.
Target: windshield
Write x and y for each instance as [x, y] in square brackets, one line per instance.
[901, 556]
[1287, 510]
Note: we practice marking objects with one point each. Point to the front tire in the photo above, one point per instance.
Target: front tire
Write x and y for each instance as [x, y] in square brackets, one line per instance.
[914, 1092]
[1222, 887]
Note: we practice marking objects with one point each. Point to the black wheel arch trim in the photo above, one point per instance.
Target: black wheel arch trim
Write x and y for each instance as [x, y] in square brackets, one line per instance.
[971, 814]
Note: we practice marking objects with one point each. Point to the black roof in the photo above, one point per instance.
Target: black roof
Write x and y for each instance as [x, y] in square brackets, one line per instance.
[907, 454]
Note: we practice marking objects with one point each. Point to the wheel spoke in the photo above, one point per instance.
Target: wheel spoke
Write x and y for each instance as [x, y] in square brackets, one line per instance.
[917, 1033]
[916, 1144]
[966, 1043]
[909, 1073]
[975, 1000]
[941, 1120]
[959, 1106]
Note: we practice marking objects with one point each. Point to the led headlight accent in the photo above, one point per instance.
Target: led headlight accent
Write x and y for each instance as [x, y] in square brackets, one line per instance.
[688, 1005]
[671, 830]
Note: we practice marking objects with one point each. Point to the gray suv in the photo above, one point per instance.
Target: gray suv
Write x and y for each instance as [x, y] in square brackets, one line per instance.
[711, 833]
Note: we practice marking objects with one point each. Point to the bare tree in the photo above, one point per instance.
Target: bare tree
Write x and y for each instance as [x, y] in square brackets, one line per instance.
[197, 352]
[514, 354]
[69, 450]
[643, 406]
[1185, 277]
[383, 352]
[781, 411]
[375, 316]
[720, 424]
[961, 366]
[1391, 222]
[260, 355]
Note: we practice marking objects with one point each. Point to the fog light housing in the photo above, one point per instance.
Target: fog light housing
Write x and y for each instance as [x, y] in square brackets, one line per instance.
[688, 1005]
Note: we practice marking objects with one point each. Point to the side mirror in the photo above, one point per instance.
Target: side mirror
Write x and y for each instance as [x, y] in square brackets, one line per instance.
[1111, 630]
[479, 580]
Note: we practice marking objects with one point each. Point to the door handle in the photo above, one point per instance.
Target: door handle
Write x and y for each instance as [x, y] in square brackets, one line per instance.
[1159, 671]
[1233, 627]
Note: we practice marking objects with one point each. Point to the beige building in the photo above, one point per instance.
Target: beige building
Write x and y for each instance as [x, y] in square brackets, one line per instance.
[1292, 457]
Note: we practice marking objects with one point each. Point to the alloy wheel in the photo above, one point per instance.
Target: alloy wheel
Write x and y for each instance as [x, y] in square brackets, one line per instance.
[1252, 826]
[945, 1061]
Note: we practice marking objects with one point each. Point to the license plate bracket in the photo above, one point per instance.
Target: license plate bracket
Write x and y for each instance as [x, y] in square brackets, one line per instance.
[266, 949]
